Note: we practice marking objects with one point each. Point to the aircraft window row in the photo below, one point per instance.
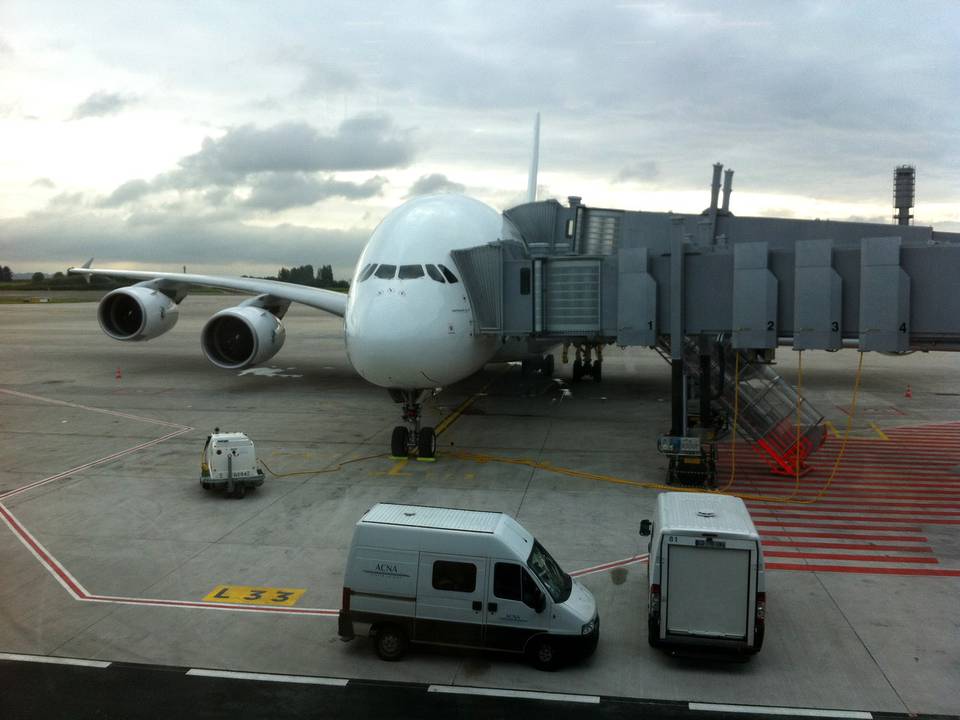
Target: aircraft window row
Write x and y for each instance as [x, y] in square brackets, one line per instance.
[438, 273]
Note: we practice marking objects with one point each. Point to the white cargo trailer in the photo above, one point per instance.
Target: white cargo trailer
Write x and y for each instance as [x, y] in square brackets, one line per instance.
[706, 580]
[465, 578]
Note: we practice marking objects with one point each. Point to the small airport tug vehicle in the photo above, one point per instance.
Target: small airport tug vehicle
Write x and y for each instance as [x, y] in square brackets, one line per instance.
[229, 463]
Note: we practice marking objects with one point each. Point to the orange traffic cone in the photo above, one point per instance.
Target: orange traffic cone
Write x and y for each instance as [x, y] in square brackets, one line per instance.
[118, 374]
[908, 393]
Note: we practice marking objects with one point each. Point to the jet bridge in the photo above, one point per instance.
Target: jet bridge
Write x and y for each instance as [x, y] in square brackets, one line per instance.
[704, 288]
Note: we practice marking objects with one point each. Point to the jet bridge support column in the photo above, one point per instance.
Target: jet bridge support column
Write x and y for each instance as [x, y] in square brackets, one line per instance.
[706, 392]
[678, 427]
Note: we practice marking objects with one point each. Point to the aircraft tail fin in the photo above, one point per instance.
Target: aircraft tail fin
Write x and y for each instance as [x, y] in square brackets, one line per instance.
[534, 162]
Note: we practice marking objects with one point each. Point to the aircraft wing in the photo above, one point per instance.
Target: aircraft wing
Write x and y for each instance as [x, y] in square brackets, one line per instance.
[328, 300]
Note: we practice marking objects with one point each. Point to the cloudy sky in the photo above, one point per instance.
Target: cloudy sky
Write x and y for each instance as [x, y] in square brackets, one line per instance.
[240, 136]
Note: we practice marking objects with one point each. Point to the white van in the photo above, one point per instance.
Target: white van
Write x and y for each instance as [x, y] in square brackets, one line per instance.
[706, 578]
[464, 578]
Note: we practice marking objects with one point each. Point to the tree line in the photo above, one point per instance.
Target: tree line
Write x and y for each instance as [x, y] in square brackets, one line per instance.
[304, 275]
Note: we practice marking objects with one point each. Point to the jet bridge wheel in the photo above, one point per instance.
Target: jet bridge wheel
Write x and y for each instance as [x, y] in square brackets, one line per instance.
[399, 441]
[427, 444]
[579, 370]
[546, 366]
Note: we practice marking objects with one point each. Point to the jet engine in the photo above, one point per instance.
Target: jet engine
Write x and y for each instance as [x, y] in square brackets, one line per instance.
[136, 313]
[242, 336]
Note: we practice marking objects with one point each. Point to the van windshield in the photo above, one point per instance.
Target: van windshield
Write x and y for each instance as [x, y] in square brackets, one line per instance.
[555, 580]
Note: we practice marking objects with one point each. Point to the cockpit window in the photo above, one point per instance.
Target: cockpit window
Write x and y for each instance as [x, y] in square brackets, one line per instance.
[386, 272]
[435, 274]
[451, 278]
[410, 272]
[367, 272]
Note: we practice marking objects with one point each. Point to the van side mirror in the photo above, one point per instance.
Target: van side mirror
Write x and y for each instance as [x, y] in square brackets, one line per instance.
[541, 603]
[645, 527]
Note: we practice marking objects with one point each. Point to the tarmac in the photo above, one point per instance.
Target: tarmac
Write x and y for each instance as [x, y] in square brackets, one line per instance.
[112, 551]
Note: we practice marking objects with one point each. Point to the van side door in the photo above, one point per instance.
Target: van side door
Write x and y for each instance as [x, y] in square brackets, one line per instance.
[450, 600]
[512, 599]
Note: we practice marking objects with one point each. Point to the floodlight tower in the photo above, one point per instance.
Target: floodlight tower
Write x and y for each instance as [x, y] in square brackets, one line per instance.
[904, 185]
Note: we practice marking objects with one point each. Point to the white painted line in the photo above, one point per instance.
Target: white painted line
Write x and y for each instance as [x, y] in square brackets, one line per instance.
[765, 710]
[54, 660]
[520, 694]
[268, 677]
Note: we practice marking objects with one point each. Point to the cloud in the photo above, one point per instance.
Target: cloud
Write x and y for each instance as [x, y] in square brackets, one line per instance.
[640, 170]
[175, 238]
[128, 192]
[322, 78]
[280, 191]
[43, 182]
[434, 183]
[101, 103]
[366, 142]
[65, 201]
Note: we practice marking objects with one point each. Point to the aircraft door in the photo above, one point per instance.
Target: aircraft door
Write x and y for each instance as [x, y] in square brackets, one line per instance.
[450, 599]
[513, 600]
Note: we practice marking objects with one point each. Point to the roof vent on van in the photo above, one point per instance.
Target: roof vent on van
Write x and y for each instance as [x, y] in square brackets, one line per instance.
[706, 513]
[409, 514]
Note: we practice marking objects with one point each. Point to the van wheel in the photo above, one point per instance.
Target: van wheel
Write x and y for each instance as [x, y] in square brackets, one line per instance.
[390, 642]
[544, 653]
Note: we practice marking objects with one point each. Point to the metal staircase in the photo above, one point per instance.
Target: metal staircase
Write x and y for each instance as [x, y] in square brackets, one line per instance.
[765, 407]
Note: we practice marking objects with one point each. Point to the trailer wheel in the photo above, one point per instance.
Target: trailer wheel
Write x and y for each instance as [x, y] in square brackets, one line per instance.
[544, 653]
[390, 642]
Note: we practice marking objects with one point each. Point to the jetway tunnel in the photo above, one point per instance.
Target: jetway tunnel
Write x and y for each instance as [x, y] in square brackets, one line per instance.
[713, 291]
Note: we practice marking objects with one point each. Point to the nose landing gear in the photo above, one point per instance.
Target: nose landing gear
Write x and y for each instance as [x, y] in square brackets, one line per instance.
[410, 438]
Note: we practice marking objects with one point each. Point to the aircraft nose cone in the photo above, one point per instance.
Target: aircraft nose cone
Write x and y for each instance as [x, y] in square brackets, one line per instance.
[395, 342]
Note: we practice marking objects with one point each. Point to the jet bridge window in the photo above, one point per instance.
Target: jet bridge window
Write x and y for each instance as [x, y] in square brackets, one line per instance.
[410, 272]
[454, 576]
[451, 278]
[435, 274]
[386, 272]
[367, 272]
[525, 281]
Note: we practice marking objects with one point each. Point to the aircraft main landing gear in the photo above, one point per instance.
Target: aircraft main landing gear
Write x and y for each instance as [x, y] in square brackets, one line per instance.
[410, 438]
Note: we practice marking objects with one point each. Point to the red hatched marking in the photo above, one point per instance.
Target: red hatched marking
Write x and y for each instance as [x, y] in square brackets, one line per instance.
[845, 535]
[827, 526]
[760, 507]
[842, 546]
[862, 570]
[864, 509]
[849, 556]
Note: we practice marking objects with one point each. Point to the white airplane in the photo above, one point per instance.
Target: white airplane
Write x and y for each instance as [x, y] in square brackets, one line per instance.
[408, 321]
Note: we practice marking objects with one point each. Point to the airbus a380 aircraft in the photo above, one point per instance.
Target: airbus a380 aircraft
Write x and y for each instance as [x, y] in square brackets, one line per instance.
[407, 318]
